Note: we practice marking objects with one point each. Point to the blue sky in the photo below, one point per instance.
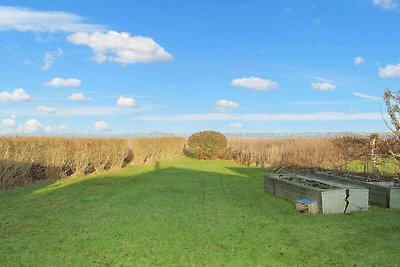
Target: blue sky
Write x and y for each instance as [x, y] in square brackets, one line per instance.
[91, 67]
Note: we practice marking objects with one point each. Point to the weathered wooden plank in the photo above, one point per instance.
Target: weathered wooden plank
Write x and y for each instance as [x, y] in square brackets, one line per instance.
[332, 182]
[289, 190]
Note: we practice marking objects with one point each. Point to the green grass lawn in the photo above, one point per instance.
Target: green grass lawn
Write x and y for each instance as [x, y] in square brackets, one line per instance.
[183, 212]
[386, 166]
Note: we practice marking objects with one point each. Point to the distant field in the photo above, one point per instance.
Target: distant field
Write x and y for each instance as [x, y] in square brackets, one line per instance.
[183, 212]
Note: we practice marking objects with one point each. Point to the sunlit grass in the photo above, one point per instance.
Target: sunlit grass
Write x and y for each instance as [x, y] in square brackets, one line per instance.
[183, 212]
[386, 166]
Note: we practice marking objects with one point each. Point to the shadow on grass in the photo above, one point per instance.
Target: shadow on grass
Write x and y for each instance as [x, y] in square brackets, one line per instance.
[183, 212]
[159, 185]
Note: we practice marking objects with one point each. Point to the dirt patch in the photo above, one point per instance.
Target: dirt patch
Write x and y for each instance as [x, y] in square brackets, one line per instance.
[311, 183]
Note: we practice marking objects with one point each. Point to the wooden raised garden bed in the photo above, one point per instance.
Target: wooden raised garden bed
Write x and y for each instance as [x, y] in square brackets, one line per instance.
[381, 193]
[331, 198]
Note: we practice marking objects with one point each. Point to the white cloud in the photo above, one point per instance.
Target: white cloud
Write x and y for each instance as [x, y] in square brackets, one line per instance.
[17, 95]
[46, 109]
[263, 117]
[319, 78]
[25, 19]
[255, 83]
[49, 58]
[386, 4]
[81, 110]
[78, 97]
[33, 126]
[359, 60]
[365, 96]
[390, 71]
[126, 102]
[62, 127]
[223, 104]
[102, 111]
[121, 47]
[59, 82]
[8, 123]
[101, 126]
[323, 86]
[237, 125]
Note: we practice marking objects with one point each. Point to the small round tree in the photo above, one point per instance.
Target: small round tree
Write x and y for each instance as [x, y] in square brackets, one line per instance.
[207, 144]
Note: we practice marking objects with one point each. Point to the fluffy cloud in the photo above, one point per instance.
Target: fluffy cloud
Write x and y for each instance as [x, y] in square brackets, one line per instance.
[390, 71]
[101, 126]
[386, 4]
[59, 82]
[49, 58]
[255, 83]
[223, 104]
[121, 47]
[24, 19]
[8, 123]
[126, 102]
[46, 109]
[359, 60]
[33, 126]
[365, 96]
[323, 86]
[78, 97]
[18, 95]
[63, 127]
[236, 125]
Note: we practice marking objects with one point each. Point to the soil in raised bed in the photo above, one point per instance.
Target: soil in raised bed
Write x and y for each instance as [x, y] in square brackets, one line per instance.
[310, 183]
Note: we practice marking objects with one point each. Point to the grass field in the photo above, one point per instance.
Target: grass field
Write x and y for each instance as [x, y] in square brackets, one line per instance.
[183, 212]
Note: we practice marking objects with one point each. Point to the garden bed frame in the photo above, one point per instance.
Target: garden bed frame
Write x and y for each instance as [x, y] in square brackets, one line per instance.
[338, 199]
[381, 193]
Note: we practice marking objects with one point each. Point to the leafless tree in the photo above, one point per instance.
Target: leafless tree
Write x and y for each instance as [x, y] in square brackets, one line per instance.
[392, 101]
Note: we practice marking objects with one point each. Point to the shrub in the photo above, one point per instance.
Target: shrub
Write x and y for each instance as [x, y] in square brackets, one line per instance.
[274, 152]
[27, 159]
[146, 150]
[207, 144]
[351, 148]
